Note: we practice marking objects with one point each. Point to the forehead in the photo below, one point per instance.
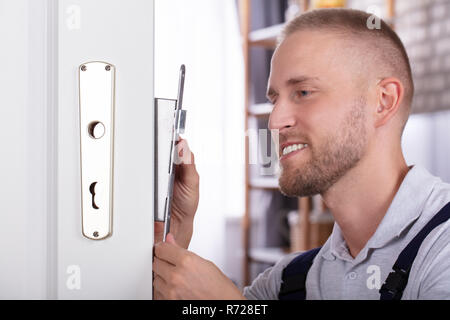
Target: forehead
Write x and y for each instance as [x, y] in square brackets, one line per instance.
[313, 54]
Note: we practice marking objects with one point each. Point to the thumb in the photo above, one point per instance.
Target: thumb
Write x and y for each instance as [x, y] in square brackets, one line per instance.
[183, 154]
[170, 239]
[185, 170]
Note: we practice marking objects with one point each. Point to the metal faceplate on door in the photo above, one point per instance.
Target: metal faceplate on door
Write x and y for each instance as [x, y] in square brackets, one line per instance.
[97, 91]
[167, 119]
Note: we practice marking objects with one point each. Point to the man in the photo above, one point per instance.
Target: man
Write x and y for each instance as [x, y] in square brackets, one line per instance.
[342, 94]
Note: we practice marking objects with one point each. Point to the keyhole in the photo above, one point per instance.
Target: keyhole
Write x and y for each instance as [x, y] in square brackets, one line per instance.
[92, 190]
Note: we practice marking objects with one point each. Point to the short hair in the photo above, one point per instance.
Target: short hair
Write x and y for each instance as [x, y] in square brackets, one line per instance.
[383, 42]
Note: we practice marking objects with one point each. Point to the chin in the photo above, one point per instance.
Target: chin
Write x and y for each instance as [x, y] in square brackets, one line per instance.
[287, 184]
[293, 184]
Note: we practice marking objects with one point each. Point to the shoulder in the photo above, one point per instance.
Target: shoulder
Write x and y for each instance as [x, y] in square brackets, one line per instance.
[436, 201]
[438, 198]
[430, 274]
[267, 285]
[439, 237]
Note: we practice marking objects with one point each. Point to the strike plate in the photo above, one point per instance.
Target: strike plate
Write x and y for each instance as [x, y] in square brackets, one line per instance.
[97, 91]
[165, 116]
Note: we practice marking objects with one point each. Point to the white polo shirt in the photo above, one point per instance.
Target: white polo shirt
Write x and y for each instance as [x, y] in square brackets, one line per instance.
[336, 275]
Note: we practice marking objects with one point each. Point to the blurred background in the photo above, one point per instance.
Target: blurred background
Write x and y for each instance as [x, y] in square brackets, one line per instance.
[243, 223]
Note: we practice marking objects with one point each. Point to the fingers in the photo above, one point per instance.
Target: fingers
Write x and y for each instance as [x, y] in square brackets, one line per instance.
[185, 160]
[183, 154]
[169, 252]
[158, 227]
[159, 287]
[162, 269]
[170, 239]
[158, 231]
[157, 295]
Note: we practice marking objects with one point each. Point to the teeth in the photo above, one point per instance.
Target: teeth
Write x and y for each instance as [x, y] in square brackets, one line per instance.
[293, 148]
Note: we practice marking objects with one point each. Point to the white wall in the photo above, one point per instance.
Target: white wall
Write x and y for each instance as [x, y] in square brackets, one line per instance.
[426, 142]
[204, 35]
[23, 132]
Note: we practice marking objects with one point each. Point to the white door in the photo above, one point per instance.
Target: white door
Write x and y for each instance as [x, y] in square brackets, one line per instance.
[43, 253]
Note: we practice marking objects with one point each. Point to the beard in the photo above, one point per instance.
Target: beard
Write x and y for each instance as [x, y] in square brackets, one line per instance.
[329, 161]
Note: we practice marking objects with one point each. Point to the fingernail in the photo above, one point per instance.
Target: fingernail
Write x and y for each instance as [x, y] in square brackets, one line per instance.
[170, 237]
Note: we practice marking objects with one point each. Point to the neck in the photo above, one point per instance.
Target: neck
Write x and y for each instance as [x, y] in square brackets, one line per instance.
[361, 198]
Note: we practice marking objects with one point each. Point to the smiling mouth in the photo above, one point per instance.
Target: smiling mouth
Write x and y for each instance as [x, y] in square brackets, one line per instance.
[292, 150]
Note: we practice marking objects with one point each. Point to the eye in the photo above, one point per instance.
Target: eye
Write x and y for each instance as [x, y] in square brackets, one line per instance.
[301, 94]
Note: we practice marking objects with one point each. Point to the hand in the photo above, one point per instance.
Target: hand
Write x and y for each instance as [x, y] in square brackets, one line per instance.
[181, 274]
[185, 197]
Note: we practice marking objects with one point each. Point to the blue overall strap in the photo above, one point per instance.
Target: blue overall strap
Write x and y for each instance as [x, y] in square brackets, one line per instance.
[293, 285]
[396, 282]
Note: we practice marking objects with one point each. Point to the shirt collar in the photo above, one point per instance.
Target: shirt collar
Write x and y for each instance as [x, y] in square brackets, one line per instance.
[405, 208]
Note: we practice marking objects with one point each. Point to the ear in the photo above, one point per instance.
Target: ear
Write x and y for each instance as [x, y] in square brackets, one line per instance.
[389, 98]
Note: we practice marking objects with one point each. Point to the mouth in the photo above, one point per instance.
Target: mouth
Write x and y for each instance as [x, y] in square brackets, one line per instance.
[289, 150]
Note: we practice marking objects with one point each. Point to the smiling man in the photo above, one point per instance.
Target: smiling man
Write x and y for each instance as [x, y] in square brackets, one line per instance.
[342, 94]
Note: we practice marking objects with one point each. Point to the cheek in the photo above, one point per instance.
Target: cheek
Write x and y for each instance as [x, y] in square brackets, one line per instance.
[322, 120]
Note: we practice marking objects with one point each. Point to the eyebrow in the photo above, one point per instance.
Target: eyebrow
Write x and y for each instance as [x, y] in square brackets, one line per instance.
[291, 82]
[300, 79]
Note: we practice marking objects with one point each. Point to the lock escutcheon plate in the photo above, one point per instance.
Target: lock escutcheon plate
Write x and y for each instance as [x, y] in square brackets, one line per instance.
[96, 108]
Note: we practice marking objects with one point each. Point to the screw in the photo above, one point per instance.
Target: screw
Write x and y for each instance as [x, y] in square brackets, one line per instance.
[83, 68]
[108, 67]
[96, 234]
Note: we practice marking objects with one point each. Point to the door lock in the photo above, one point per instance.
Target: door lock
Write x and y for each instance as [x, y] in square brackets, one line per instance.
[96, 100]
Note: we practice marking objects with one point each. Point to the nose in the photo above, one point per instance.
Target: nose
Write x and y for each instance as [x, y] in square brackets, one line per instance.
[281, 117]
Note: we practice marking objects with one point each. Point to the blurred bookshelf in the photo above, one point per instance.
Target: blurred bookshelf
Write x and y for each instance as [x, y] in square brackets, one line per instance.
[265, 37]
[260, 110]
[267, 255]
[259, 41]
